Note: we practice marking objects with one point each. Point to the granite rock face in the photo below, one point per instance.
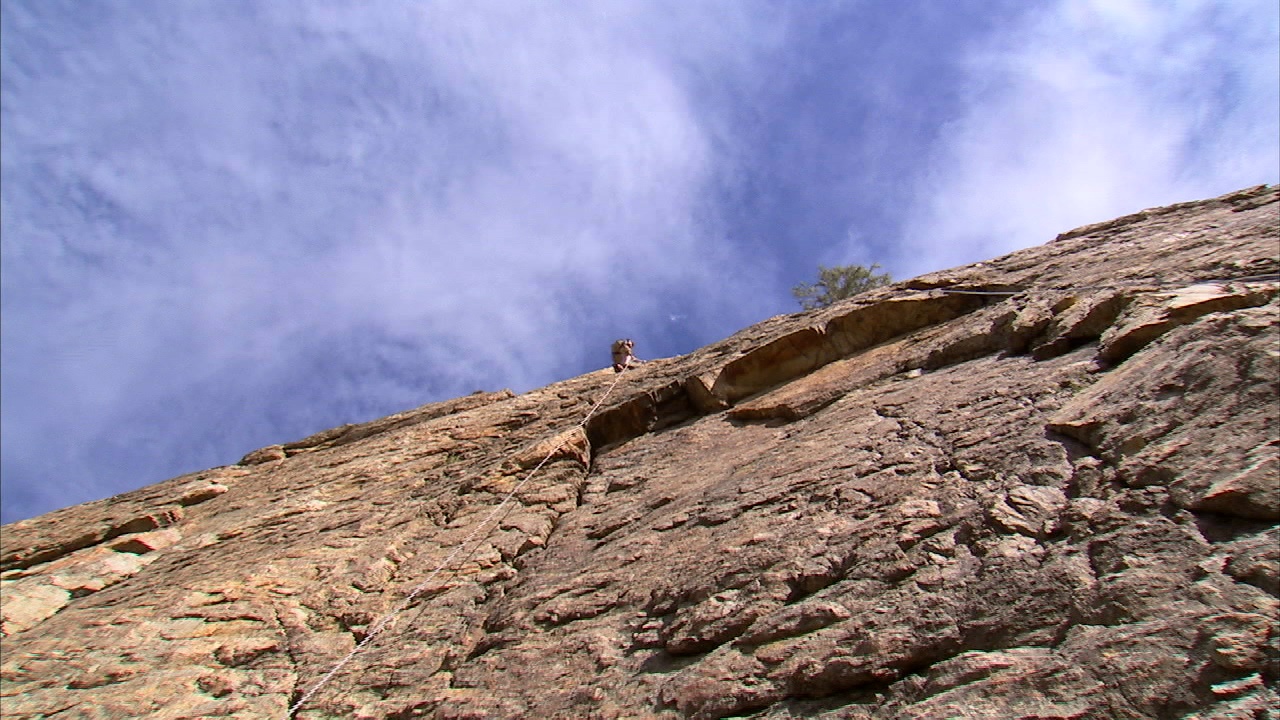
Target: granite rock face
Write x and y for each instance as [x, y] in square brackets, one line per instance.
[1043, 486]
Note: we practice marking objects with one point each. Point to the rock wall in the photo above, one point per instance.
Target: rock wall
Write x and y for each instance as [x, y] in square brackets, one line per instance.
[1043, 486]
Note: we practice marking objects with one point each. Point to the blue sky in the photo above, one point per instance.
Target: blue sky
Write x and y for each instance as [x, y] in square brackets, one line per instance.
[228, 224]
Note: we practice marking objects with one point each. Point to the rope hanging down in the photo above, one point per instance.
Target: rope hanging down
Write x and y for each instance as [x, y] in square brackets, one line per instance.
[417, 590]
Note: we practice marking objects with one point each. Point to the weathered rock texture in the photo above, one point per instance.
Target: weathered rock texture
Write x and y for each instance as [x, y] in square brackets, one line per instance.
[1044, 486]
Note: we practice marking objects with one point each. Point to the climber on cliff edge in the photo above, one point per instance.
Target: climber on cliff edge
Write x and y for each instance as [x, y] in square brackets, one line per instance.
[622, 355]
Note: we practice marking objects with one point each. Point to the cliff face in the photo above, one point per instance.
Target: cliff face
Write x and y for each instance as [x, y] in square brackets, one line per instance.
[1043, 486]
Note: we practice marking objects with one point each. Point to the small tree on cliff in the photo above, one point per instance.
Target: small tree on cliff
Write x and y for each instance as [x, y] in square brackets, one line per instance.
[838, 283]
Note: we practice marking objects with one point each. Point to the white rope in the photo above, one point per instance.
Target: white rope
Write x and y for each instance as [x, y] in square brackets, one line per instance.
[386, 619]
[413, 594]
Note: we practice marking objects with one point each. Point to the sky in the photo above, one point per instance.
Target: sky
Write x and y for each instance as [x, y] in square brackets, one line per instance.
[226, 224]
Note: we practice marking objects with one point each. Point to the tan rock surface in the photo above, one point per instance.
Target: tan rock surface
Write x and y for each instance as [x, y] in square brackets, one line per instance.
[1043, 486]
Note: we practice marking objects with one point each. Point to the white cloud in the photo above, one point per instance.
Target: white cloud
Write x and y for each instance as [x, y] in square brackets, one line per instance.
[1093, 109]
[213, 221]
[230, 225]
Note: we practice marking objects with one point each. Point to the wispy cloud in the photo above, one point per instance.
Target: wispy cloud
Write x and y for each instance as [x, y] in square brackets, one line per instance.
[1095, 108]
[254, 219]
[227, 224]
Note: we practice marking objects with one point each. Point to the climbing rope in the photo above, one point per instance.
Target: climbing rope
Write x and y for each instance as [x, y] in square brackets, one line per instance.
[381, 625]
[420, 587]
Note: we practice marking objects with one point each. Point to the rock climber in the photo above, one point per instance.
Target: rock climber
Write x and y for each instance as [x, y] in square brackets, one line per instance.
[622, 354]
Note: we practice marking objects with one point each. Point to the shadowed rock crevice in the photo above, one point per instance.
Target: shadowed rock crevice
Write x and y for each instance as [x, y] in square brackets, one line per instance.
[645, 412]
[804, 351]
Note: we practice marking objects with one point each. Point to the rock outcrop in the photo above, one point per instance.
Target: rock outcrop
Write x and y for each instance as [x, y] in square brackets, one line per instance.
[1043, 486]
